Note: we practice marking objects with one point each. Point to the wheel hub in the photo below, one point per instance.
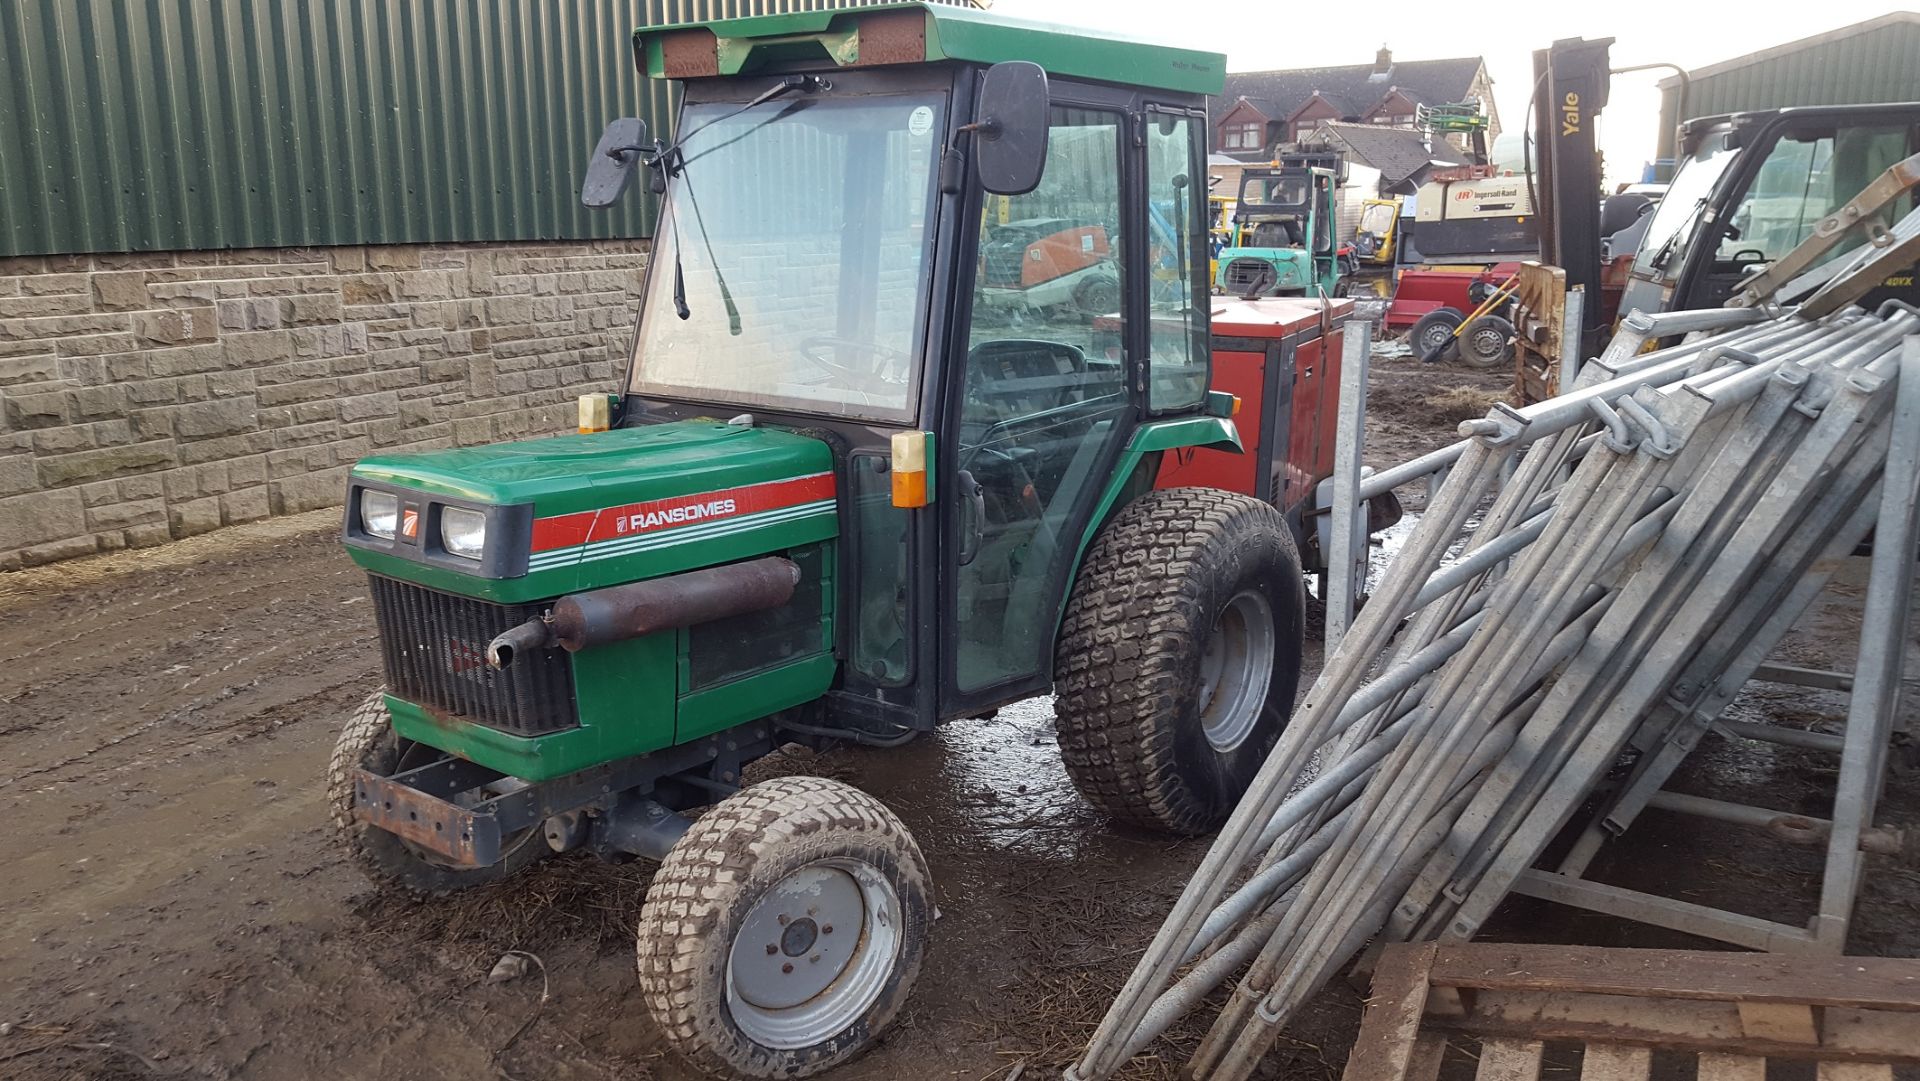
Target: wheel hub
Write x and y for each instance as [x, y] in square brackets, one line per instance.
[813, 953]
[799, 937]
[1236, 670]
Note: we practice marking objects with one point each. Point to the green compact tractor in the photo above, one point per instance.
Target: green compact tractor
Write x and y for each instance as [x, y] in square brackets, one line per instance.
[836, 500]
[1283, 238]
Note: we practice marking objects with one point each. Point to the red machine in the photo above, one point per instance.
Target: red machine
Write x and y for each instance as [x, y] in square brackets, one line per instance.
[1280, 356]
[1428, 289]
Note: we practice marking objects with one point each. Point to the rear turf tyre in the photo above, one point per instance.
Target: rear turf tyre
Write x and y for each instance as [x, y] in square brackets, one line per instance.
[369, 742]
[1179, 657]
[784, 930]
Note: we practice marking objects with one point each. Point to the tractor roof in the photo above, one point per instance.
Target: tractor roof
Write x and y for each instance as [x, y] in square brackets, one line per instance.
[909, 33]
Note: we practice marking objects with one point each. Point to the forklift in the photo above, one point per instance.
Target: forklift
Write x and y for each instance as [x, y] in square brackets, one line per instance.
[1749, 188]
[1283, 242]
[835, 501]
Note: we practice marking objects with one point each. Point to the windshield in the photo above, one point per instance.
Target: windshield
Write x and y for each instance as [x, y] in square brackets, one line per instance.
[1680, 208]
[1289, 190]
[809, 219]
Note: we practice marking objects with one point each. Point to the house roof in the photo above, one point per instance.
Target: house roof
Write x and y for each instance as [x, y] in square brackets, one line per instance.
[1353, 89]
[1397, 152]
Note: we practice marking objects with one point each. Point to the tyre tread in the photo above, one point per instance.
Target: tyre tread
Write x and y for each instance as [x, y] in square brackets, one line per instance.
[701, 880]
[1122, 665]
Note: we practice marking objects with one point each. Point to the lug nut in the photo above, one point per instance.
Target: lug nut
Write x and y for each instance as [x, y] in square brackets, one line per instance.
[772, 949]
[787, 968]
[783, 919]
[827, 929]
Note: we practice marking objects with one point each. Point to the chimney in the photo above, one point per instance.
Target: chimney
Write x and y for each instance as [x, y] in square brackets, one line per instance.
[1382, 62]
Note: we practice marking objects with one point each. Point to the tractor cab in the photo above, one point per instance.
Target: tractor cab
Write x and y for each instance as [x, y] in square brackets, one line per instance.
[928, 410]
[1283, 243]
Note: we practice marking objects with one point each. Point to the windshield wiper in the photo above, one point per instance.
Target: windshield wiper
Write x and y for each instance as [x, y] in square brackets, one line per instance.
[670, 161]
[1660, 257]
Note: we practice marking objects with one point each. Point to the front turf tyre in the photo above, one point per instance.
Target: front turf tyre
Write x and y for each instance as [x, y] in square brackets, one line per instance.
[1179, 657]
[369, 742]
[784, 930]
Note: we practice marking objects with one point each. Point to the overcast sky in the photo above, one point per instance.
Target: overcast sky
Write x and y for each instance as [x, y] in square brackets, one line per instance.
[1258, 35]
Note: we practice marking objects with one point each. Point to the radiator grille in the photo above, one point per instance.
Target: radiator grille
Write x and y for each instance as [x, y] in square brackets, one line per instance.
[1245, 273]
[435, 648]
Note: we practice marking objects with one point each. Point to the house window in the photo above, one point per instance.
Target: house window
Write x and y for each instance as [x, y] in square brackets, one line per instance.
[1240, 136]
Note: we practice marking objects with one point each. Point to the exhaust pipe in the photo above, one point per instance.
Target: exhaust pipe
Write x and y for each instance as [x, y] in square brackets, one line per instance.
[618, 613]
[533, 634]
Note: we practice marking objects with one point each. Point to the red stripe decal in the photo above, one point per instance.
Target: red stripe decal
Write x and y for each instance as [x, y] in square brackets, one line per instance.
[634, 519]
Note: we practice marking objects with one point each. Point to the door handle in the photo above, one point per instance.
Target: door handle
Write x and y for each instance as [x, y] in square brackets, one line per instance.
[976, 511]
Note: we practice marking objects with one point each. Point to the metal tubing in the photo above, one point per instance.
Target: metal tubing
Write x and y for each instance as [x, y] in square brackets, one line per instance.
[1703, 606]
[1346, 561]
[1817, 678]
[1786, 737]
[1786, 825]
[1655, 369]
[1877, 684]
[1470, 649]
[1573, 314]
[1372, 630]
[1271, 881]
[1690, 320]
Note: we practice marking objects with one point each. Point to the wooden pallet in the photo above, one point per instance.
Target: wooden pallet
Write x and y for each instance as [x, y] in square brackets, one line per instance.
[1857, 1017]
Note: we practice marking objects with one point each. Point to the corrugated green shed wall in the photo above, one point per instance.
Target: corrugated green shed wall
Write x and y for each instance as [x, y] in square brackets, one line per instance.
[131, 125]
[1880, 65]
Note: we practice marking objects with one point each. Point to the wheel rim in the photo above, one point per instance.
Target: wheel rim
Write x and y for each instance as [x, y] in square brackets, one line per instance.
[1099, 298]
[1489, 343]
[813, 953]
[1236, 670]
[1435, 337]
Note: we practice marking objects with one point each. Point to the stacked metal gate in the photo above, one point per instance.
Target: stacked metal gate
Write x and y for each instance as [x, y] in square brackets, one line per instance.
[1600, 571]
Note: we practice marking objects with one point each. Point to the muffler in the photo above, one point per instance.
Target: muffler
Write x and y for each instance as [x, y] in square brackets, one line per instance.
[618, 613]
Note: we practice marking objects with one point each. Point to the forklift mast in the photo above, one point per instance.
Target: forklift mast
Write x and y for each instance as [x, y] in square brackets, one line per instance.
[1570, 90]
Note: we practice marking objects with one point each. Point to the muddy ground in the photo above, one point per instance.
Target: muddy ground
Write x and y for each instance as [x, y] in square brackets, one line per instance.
[171, 905]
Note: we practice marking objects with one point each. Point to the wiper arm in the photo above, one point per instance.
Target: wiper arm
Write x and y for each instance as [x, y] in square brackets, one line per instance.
[719, 279]
[669, 161]
[1659, 260]
[672, 161]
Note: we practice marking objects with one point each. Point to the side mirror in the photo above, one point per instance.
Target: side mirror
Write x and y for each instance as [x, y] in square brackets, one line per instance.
[610, 169]
[1010, 139]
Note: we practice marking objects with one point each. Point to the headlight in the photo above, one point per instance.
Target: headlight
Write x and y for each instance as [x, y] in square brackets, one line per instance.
[378, 513]
[463, 532]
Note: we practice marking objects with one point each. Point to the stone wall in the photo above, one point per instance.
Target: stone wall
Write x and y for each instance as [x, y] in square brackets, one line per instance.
[152, 396]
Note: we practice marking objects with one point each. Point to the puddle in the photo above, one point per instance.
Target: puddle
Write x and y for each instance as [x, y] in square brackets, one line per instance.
[992, 786]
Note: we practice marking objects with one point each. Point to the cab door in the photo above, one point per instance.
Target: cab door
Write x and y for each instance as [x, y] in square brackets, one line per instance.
[1041, 407]
[1048, 374]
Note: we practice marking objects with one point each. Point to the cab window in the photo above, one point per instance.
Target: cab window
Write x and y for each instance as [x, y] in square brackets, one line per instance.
[1806, 177]
[1177, 282]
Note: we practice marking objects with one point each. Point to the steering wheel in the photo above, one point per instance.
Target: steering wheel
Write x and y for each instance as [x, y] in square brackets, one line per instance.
[887, 364]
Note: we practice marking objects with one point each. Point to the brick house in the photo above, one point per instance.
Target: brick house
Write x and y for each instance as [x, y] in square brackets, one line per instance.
[1261, 109]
